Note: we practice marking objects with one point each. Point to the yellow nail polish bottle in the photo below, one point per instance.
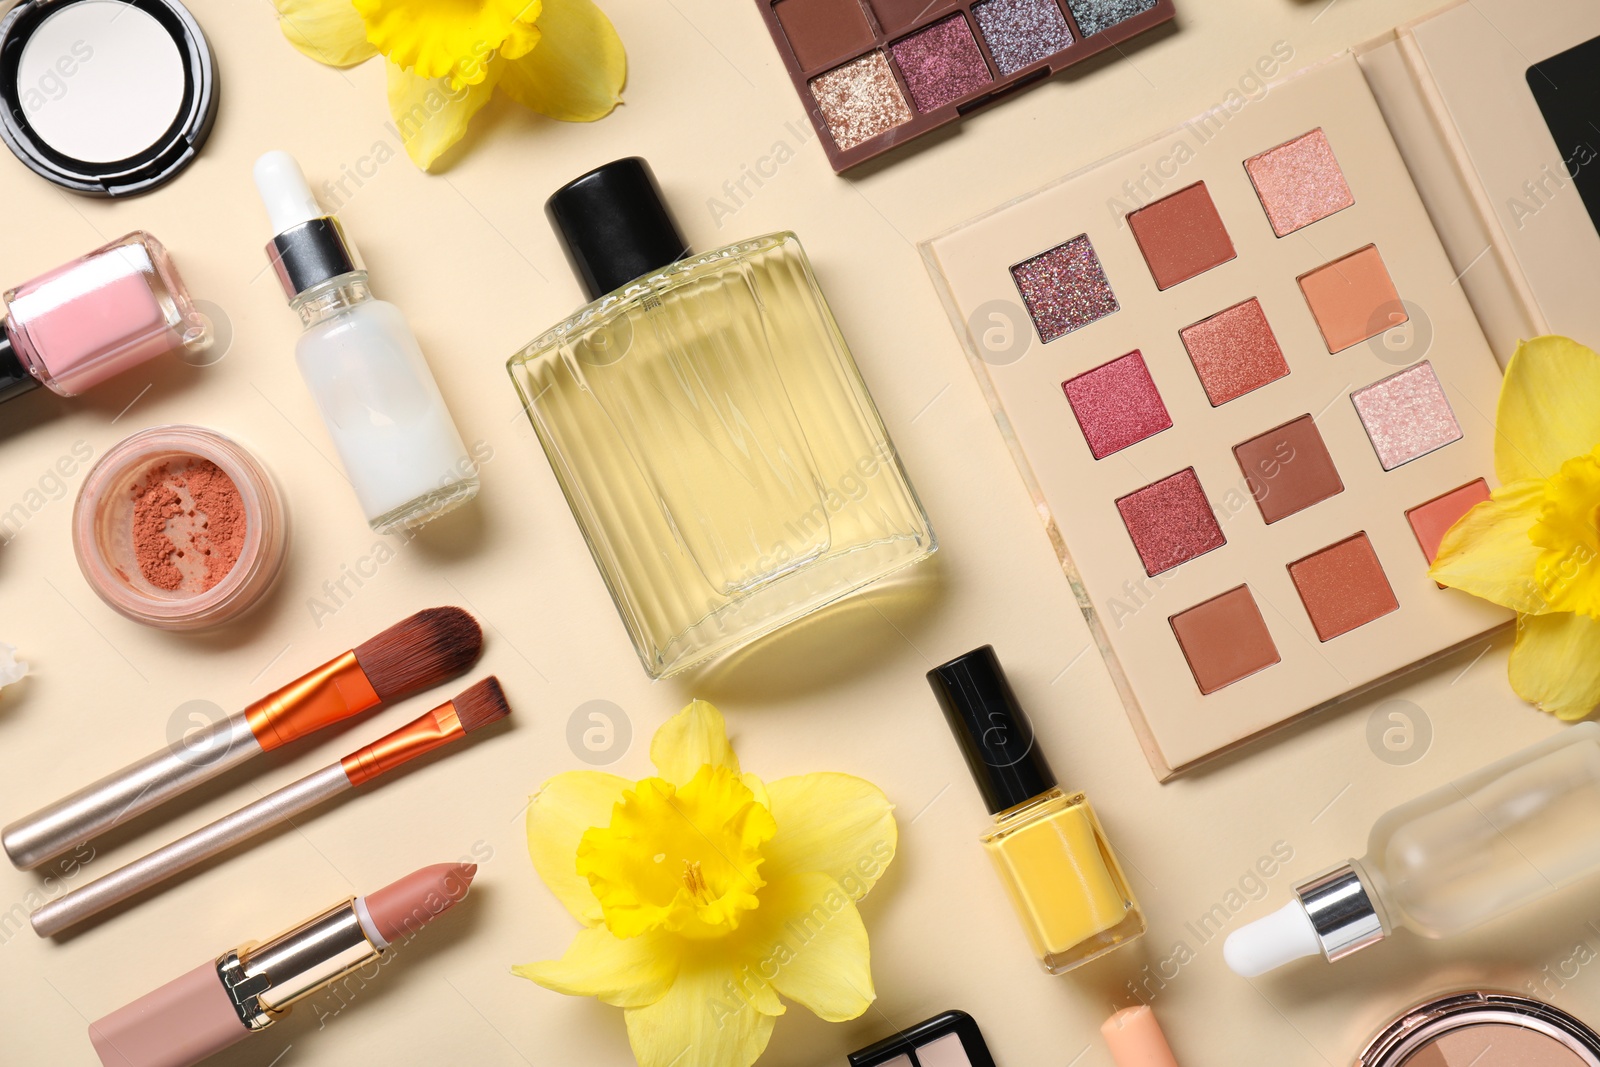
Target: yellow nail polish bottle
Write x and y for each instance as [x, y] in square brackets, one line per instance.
[1046, 844]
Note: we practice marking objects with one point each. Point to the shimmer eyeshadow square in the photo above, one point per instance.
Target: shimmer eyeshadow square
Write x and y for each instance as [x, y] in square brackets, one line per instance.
[1406, 415]
[1116, 404]
[1020, 33]
[1352, 299]
[1181, 236]
[860, 100]
[1288, 469]
[1171, 522]
[1224, 639]
[824, 31]
[1065, 289]
[1096, 16]
[1234, 352]
[1343, 587]
[1432, 520]
[941, 64]
[1299, 182]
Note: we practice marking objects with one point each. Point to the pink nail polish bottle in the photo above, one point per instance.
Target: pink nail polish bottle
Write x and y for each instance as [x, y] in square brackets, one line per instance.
[93, 318]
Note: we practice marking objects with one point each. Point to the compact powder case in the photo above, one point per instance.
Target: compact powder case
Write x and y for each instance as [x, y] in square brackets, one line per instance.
[105, 97]
[1476, 1029]
[1249, 400]
[949, 1039]
[874, 74]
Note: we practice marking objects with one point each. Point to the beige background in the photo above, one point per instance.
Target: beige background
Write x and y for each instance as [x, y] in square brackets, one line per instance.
[468, 256]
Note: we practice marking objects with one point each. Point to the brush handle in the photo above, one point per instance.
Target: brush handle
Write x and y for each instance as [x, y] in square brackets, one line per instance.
[135, 789]
[189, 850]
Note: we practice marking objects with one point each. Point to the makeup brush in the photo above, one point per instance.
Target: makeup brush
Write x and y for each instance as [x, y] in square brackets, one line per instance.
[416, 653]
[477, 707]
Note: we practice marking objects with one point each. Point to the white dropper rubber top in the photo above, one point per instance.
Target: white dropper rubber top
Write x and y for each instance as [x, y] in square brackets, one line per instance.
[1267, 944]
[283, 188]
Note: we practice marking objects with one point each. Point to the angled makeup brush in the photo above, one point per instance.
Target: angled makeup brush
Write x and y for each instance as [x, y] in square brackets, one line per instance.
[477, 707]
[413, 654]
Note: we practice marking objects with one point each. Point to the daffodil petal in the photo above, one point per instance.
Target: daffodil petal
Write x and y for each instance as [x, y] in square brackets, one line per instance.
[329, 31]
[702, 1023]
[838, 824]
[630, 972]
[436, 40]
[1556, 663]
[691, 739]
[432, 114]
[813, 946]
[577, 71]
[1489, 554]
[1547, 412]
[567, 806]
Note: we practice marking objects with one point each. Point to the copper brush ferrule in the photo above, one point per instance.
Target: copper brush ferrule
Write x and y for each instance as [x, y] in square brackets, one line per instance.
[434, 730]
[333, 692]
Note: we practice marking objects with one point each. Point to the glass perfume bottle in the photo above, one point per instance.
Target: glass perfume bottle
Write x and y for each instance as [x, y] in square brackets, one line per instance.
[94, 318]
[1461, 855]
[395, 438]
[709, 428]
[1046, 844]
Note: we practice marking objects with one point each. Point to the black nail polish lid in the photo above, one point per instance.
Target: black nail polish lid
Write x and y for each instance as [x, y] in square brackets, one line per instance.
[993, 731]
[14, 377]
[614, 226]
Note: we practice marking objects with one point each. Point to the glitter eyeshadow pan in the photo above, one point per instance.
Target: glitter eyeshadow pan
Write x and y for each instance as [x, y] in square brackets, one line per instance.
[941, 64]
[1406, 415]
[1117, 405]
[1020, 33]
[1299, 182]
[875, 74]
[1065, 289]
[1171, 522]
[1234, 352]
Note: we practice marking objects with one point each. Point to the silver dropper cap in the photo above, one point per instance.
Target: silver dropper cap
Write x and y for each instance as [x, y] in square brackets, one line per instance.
[310, 247]
[1334, 913]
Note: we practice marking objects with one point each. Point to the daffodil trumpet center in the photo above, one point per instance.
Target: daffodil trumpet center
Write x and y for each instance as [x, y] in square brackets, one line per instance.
[1567, 570]
[680, 859]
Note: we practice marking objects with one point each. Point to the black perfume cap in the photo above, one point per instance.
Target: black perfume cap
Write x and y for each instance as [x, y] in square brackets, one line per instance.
[993, 731]
[614, 226]
[14, 377]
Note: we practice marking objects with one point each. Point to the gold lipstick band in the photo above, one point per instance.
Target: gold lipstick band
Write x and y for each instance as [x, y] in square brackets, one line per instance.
[336, 690]
[265, 980]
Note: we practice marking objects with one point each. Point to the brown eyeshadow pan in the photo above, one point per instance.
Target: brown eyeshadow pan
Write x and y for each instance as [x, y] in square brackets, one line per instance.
[1288, 469]
[1224, 639]
[824, 31]
[1343, 587]
[1181, 236]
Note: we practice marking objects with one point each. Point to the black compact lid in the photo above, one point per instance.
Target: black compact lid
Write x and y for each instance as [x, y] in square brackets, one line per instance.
[925, 1033]
[14, 377]
[614, 226]
[153, 165]
[993, 731]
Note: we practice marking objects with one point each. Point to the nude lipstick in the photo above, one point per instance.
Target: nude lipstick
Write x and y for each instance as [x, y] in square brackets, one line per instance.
[247, 989]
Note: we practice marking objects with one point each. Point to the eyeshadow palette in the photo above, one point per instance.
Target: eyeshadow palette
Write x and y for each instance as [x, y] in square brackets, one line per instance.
[950, 1039]
[876, 73]
[1250, 402]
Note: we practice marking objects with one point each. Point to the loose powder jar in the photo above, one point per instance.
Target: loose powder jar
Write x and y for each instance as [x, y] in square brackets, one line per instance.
[179, 527]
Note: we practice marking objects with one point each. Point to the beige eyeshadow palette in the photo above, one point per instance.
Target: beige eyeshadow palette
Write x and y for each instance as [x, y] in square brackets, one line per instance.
[1249, 397]
[874, 74]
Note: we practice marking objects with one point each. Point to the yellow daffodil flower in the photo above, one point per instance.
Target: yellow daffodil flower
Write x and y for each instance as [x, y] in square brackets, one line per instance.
[1533, 546]
[561, 58]
[706, 894]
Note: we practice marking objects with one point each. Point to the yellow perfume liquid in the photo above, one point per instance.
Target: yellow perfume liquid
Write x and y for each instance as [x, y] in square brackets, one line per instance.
[720, 451]
[1063, 879]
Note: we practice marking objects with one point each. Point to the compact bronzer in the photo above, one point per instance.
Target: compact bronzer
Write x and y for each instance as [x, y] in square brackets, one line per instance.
[874, 74]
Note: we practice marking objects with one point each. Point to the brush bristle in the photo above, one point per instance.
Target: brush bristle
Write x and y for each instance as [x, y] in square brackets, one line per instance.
[421, 651]
[482, 704]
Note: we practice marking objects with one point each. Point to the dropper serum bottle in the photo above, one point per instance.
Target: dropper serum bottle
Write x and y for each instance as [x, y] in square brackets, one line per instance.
[400, 449]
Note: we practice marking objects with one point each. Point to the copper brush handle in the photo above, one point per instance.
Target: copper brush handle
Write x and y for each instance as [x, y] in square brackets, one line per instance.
[438, 727]
[334, 691]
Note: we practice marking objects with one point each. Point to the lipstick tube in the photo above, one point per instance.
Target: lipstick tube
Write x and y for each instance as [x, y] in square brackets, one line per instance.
[247, 989]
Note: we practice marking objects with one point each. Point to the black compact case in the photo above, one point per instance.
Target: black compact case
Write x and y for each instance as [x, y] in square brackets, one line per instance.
[939, 1028]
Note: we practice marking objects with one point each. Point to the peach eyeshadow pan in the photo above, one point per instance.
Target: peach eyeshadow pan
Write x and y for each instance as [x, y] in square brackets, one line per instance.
[1237, 484]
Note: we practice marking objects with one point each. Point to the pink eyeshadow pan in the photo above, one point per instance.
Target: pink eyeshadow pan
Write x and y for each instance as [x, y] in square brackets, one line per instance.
[1170, 522]
[1299, 182]
[1431, 521]
[941, 64]
[1116, 404]
[1234, 352]
[1406, 415]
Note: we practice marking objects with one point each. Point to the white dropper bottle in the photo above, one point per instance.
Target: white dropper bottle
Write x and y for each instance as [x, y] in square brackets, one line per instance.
[395, 438]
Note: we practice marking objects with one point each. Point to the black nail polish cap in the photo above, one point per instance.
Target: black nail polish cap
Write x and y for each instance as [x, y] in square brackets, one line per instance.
[14, 377]
[993, 731]
[614, 226]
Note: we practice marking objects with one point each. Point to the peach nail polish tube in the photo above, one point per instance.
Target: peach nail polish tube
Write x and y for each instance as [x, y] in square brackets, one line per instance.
[94, 318]
[224, 1001]
[1136, 1040]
